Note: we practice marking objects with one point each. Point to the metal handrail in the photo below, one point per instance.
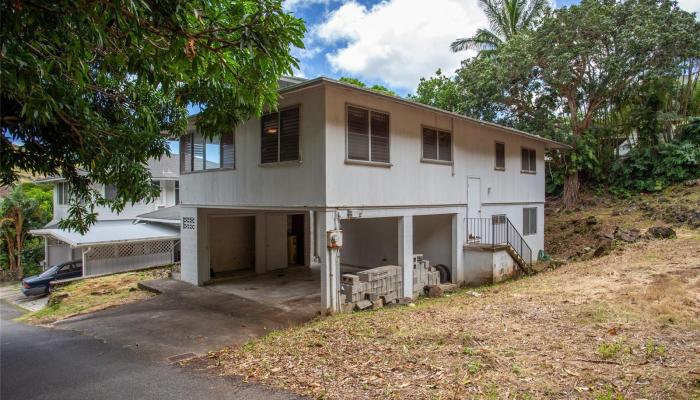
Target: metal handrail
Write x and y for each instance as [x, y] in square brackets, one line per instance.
[497, 232]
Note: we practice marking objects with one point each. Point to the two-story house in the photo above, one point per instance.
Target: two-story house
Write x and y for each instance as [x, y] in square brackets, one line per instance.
[398, 178]
[142, 235]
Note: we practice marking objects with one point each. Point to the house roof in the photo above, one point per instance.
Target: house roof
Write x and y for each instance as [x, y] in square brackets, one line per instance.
[111, 232]
[551, 144]
[165, 214]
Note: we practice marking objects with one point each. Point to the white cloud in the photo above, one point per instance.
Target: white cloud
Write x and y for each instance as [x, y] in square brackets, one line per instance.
[690, 5]
[399, 41]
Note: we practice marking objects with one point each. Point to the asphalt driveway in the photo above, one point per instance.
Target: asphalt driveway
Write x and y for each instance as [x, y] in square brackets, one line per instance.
[42, 363]
[184, 319]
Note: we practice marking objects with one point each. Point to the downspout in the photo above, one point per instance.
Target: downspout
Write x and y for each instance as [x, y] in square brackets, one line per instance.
[85, 253]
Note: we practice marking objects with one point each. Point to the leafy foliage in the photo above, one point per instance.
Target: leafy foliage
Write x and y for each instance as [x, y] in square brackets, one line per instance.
[507, 19]
[376, 88]
[651, 169]
[28, 206]
[88, 88]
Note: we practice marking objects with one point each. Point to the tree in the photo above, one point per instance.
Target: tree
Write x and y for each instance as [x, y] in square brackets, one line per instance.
[25, 208]
[88, 88]
[376, 88]
[439, 91]
[590, 53]
[507, 18]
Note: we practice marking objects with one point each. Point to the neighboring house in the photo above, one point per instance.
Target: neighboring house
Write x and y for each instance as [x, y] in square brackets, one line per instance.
[397, 177]
[131, 239]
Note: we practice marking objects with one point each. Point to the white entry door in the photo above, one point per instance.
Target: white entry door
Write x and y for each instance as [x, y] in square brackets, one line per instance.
[474, 197]
[276, 239]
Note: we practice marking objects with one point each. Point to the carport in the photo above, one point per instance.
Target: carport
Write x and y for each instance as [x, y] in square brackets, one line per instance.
[111, 246]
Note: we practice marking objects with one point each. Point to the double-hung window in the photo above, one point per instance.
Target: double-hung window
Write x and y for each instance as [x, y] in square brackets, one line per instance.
[110, 192]
[279, 136]
[62, 193]
[368, 135]
[529, 221]
[529, 160]
[437, 145]
[199, 154]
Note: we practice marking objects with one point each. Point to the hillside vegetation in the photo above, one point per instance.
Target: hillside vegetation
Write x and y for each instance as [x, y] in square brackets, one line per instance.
[623, 325]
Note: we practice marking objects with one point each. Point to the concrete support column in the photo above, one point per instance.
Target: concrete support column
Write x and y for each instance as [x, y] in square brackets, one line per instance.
[330, 263]
[458, 239]
[405, 233]
[194, 251]
[260, 243]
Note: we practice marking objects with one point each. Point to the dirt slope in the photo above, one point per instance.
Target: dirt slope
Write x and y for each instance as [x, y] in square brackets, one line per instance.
[624, 325]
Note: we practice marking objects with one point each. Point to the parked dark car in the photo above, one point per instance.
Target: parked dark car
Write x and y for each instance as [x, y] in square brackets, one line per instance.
[39, 284]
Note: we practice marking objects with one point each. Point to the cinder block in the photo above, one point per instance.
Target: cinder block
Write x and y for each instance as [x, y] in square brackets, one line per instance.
[363, 304]
[350, 279]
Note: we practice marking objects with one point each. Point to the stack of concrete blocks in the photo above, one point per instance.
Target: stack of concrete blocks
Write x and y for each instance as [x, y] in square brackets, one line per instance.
[384, 285]
[423, 274]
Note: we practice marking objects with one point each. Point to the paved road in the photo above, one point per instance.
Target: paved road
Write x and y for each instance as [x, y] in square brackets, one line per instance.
[41, 363]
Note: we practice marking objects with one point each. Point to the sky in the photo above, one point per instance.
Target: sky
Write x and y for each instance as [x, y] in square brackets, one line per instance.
[391, 42]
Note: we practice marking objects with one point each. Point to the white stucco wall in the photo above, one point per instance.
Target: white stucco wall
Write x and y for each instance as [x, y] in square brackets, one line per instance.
[251, 184]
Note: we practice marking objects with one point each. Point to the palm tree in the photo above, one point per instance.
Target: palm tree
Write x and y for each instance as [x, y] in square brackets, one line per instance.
[507, 18]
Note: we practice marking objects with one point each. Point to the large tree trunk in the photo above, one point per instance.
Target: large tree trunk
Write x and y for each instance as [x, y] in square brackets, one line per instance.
[571, 189]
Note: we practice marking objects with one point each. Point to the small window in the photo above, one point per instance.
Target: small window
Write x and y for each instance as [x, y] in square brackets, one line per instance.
[529, 160]
[500, 156]
[530, 221]
[279, 136]
[177, 192]
[368, 135]
[199, 154]
[498, 219]
[62, 193]
[437, 145]
[110, 192]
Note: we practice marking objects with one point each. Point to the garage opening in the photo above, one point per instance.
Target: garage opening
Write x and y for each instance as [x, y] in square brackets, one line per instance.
[231, 244]
[369, 243]
[295, 240]
[432, 237]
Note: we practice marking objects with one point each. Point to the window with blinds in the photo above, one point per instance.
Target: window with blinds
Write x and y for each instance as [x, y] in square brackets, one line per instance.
[368, 135]
[529, 221]
[279, 136]
[200, 154]
[500, 156]
[529, 160]
[437, 144]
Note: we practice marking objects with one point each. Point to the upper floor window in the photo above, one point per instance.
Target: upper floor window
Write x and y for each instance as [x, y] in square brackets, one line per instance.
[110, 192]
[62, 193]
[177, 192]
[368, 135]
[529, 161]
[279, 136]
[198, 153]
[529, 221]
[500, 156]
[437, 145]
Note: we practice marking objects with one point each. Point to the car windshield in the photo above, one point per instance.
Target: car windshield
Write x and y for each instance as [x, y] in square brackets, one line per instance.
[49, 272]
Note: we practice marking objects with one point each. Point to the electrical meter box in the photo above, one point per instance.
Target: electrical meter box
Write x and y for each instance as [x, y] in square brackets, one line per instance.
[335, 239]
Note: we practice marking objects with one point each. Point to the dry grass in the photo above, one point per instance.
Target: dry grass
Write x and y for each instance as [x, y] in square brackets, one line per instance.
[627, 324]
[94, 294]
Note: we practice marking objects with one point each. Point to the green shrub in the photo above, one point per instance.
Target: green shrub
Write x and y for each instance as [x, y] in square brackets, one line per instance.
[651, 169]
